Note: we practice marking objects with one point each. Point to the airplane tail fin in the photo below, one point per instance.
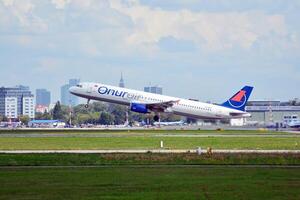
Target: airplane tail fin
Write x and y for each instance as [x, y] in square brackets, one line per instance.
[239, 100]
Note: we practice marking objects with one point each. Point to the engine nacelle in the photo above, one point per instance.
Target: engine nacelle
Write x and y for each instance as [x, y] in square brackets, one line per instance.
[140, 108]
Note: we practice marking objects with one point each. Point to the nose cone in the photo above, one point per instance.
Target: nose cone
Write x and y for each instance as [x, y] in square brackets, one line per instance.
[72, 90]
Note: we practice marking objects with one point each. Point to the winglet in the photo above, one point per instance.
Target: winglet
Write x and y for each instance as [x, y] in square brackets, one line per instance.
[239, 100]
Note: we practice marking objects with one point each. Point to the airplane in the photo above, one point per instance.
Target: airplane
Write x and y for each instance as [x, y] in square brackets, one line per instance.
[295, 124]
[292, 121]
[144, 102]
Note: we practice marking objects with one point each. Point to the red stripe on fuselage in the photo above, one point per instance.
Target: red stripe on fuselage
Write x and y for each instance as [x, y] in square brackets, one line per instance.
[239, 96]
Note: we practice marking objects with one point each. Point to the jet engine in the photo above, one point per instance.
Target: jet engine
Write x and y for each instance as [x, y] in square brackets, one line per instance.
[140, 108]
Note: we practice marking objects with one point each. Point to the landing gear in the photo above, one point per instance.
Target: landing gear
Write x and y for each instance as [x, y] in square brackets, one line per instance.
[156, 118]
[87, 103]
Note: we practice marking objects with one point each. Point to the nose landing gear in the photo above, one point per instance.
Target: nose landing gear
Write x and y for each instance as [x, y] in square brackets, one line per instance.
[87, 103]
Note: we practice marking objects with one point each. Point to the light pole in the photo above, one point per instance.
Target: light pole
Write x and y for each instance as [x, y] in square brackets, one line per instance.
[70, 112]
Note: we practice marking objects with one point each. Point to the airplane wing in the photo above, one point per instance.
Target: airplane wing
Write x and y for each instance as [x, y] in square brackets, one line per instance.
[161, 106]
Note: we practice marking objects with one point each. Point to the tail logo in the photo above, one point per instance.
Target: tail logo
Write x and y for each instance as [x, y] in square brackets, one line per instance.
[239, 100]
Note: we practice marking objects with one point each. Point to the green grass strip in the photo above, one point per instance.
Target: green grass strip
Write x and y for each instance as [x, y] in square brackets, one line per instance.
[146, 159]
[90, 143]
[150, 183]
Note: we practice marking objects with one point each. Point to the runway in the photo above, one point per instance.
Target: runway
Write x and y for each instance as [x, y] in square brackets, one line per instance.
[144, 151]
[120, 135]
[230, 135]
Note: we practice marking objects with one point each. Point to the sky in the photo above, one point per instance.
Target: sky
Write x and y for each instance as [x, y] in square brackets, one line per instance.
[201, 49]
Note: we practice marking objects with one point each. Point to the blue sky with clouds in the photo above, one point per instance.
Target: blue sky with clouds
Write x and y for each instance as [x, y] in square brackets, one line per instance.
[203, 49]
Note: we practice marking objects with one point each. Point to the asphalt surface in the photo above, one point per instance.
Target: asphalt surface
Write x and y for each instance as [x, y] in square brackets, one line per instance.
[229, 135]
[143, 151]
[120, 135]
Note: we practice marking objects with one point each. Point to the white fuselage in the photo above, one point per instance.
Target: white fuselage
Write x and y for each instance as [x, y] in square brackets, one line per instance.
[183, 107]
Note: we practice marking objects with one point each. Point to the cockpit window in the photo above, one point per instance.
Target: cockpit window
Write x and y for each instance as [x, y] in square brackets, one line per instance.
[79, 86]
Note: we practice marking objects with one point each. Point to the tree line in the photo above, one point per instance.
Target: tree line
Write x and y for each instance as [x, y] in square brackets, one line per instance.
[99, 113]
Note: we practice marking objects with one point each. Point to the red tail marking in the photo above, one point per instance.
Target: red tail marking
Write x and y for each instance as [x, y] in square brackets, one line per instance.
[238, 97]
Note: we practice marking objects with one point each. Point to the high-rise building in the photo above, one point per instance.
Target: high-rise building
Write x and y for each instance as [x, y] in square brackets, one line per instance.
[16, 101]
[43, 97]
[153, 89]
[121, 83]
[64, 94]
[74, 82]
[67, 98]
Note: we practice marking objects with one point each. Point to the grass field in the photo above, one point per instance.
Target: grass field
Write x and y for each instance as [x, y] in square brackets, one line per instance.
[162, 182]
[140, 142]
[146, 159]
[148, 176]
[145, 139]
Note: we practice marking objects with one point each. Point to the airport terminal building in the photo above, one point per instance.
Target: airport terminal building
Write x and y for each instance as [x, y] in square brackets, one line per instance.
[265, 112]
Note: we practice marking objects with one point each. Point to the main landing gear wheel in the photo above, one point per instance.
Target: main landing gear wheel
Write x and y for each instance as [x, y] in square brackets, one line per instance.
[156, 118]
[87, 104]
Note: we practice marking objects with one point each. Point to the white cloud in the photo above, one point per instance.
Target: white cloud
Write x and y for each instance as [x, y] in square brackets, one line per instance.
[60, 4]
[211, 31]
[8, 2]
[21, 14]
[130, 27]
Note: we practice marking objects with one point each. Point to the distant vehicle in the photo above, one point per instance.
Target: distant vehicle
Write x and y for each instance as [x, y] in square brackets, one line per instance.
[272, 125]
[291, 121]
[294, 124]
[46, 124]
[10, 124]
[176, 123]
[143, 102]
[252, 123]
